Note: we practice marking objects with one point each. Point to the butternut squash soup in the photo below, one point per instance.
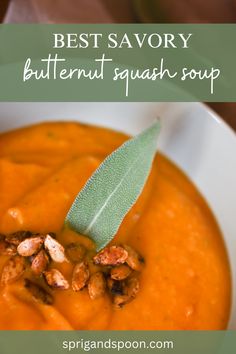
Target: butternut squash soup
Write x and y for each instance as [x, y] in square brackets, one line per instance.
[168, 252]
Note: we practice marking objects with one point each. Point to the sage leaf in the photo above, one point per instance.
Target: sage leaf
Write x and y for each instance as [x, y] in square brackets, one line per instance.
[110, 192]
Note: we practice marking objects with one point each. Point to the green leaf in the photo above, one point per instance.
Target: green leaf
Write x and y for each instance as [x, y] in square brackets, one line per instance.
[110, 192]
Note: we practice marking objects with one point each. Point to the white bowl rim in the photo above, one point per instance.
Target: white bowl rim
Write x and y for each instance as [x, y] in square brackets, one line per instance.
[208, 110]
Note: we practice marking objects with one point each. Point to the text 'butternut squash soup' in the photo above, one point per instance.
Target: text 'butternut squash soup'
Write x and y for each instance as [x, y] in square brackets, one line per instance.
[166, 268]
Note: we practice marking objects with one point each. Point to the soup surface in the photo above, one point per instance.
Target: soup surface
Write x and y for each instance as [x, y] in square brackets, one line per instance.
[185, 283]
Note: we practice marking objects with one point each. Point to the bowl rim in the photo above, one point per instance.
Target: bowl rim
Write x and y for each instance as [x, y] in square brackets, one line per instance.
[208, 111]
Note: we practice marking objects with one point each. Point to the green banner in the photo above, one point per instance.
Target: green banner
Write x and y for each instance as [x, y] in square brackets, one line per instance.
[158, 62]
[175, 342]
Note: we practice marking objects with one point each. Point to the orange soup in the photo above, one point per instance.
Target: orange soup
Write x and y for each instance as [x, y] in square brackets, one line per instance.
[185, 280]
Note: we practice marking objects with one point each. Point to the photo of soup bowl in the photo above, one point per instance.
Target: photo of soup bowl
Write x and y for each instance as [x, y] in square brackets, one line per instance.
[192, 136]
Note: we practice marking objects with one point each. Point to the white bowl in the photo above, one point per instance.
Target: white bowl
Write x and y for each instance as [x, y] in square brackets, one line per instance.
[194, 137]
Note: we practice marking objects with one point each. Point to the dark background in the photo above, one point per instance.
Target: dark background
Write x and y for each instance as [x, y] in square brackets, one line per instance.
[125, 11]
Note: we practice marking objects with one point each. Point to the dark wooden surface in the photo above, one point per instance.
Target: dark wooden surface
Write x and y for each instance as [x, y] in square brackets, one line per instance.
[3, 8]
[226, 111]
[122, 11]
